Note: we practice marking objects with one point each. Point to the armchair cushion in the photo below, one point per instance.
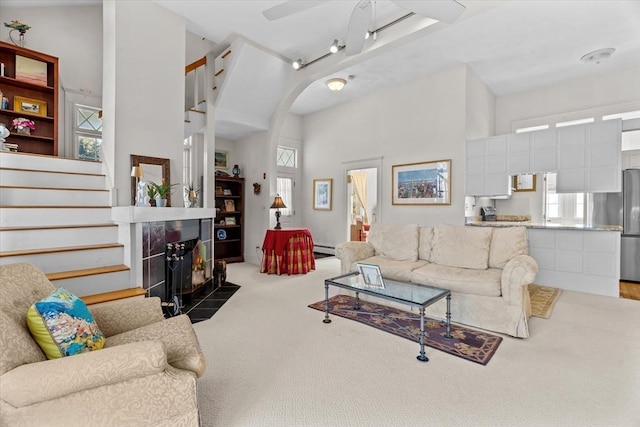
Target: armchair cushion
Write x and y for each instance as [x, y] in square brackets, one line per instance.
[62, 325]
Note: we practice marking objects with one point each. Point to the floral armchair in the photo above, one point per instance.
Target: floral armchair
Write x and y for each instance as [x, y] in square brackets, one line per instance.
[144, 376]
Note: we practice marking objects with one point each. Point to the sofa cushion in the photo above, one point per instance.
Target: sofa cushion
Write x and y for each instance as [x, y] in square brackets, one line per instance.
[62, 325]
[507, 242]
[399, 242]
[462, 280]
[461, 246]
[425, 243]
[391, 268]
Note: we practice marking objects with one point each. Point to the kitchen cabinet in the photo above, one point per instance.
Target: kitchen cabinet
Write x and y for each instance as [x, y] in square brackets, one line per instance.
[486, 172]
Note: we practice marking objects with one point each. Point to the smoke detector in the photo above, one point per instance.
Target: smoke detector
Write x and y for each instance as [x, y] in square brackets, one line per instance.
[598, 56]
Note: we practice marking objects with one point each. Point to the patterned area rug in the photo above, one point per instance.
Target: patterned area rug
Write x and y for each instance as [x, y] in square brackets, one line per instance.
[466, 343]
[543, 299]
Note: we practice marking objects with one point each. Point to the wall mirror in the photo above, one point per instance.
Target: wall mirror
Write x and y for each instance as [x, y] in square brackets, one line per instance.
[524, 182]
[154, 169]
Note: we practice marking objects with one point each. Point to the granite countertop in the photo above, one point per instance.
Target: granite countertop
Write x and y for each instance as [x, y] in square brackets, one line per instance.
[546, 225]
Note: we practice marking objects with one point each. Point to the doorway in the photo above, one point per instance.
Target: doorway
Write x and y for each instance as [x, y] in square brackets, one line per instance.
[362, 201]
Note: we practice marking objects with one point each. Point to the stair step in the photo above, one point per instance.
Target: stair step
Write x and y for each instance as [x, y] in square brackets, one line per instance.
[75, 258]
[92, 280]
[58, 249]
[51, 179]
[48, 163]
[36, 237]
[26, 216]
[86, 272]
[113, 295]
[21, 196]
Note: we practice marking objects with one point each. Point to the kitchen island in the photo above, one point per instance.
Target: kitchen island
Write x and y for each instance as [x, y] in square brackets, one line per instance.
[576, 257]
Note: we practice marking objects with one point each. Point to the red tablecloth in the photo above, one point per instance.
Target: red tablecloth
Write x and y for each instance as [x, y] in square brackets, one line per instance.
[287, 251]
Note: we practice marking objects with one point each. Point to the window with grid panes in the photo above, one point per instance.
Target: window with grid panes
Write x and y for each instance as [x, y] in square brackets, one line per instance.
[87, 132]
[286, 157]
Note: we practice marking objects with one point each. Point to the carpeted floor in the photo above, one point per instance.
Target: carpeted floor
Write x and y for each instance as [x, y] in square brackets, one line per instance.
[272, 362]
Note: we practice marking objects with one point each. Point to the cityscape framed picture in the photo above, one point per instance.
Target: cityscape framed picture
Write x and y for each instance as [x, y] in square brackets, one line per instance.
[425, 183]
[322, 194]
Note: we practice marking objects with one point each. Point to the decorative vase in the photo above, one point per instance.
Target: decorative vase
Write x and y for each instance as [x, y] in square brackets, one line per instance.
[23, 130]
[161, 203]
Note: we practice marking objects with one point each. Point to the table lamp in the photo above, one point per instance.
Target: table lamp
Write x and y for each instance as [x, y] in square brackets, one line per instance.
[137, 173]
[277, 205]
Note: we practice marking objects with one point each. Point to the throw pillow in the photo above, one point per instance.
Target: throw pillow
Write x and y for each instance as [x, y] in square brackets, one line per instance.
[398, 242]
[461, 246]
[62, 325]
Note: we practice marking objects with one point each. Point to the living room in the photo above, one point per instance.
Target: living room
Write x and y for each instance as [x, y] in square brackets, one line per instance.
[271, 360]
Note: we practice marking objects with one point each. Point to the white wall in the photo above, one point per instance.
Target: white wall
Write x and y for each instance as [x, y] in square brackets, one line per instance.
[144, 78]
[423, 120]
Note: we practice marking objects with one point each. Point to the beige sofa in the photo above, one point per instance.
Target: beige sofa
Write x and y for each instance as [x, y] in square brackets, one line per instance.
[145, 375]
[487, 269]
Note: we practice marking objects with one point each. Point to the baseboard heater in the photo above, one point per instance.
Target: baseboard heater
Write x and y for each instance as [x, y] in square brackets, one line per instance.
[323, 249]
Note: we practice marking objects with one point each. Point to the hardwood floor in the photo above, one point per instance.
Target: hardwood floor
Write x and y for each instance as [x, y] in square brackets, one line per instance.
[630, 290]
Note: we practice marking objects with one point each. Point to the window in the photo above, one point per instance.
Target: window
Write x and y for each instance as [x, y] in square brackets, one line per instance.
[532, 128]
[624, 116]
[574, 122]
[87, 132]
[562, 207]
[186, 162]
[284, 186]
[286, 157]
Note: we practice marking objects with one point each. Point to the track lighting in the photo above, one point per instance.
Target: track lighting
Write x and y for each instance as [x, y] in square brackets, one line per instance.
[297, 64]
[334, 46]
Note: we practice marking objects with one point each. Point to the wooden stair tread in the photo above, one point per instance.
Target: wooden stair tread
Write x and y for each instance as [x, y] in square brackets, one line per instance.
[56, 227]
[113, 295]
[60, 249]
[86, 272]
[24, 187]
[22, 153]
[52, 171]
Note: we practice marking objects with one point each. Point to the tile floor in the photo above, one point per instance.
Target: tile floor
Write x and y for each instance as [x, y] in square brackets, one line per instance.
[204, 304]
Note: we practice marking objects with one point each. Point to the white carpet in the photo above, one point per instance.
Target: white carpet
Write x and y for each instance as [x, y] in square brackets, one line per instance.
[272, 362]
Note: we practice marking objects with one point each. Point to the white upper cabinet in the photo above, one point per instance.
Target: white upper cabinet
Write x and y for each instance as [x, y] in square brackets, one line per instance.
[587, 158]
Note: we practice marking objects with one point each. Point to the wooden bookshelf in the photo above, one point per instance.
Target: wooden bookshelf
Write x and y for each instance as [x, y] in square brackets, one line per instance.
[44, 139]
[229, 237]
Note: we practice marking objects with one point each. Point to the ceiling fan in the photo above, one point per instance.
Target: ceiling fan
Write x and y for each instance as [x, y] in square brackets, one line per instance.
[441, 10]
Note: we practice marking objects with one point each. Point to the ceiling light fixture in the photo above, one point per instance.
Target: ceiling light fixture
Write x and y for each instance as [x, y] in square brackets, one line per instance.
[336, 84]
[598, 56]
[334, 48]
[297, 64]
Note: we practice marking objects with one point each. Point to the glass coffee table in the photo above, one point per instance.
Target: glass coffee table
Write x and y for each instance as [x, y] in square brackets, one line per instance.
[414, 295]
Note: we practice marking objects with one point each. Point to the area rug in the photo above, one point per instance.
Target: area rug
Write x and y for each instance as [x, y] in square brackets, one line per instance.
[466, 343]
[543, 299]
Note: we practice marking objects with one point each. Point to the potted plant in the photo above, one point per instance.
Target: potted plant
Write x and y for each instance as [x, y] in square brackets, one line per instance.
[161, 192]
[23, 126]
[152, 193]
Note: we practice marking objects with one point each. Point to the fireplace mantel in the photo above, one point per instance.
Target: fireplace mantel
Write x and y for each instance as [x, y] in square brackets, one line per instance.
[134, 214]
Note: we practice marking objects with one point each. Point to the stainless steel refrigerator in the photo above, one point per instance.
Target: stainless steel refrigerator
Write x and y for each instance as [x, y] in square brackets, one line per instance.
[623, 209]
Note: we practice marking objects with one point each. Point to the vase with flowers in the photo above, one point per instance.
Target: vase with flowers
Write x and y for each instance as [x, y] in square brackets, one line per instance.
[23, 126]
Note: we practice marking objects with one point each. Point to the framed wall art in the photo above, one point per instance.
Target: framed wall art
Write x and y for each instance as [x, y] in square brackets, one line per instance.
[221, 159]
[322, 194]
[29, 106]
[426, 183]
[31, 70]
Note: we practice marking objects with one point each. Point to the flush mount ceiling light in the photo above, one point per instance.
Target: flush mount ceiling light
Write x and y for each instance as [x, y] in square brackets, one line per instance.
[336, 84]
[598, 56]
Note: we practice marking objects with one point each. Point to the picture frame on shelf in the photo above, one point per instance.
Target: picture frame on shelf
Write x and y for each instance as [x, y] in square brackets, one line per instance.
[31, 71]
[221, 159]
[31, 106]
[229, 205]
[424, 183]
[230, 220]
[322, 194]
[226, 192]
[218, 190]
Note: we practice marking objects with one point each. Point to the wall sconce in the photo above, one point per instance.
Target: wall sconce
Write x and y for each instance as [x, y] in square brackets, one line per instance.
[137, 173]
[278, 204]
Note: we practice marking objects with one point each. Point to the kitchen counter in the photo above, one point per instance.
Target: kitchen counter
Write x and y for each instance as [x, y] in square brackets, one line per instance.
[546, 225]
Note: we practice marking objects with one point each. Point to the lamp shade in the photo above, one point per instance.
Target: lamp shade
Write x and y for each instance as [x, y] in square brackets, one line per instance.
[278, 203]
[137, 172]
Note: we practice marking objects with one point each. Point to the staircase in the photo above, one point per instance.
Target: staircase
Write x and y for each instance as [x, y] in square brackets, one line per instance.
[56, 213]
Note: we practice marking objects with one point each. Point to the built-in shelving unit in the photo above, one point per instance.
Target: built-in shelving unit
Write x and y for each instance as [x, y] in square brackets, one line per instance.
[228, 230]
[44, 139]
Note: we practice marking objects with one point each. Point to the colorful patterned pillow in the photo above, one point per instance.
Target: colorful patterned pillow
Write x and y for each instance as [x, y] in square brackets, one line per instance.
[62, 325]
